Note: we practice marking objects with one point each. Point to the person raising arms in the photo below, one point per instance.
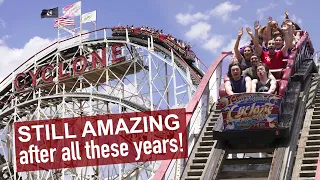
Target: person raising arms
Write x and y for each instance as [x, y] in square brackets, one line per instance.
[248, 51]
[272, 58]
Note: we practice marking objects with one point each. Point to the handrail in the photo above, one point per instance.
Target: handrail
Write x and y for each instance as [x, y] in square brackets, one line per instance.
[161, 171]
[202, 62]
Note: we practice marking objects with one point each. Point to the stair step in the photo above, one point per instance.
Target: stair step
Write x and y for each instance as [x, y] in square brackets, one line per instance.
[205, 148]
[207, 138]
[314, 137]
[202, 154]
[208, 133]
[309, 167]
[316, 116]
[197, 166]
[193, 172]
[315, 121]
[316, 112]
[313, 142]
[216, 116]
[310, 160]
[199, 160]
[209, 128]
[192, 178]
[312, 148]
[215, 120]
[316, 104]
[212, 123]
[207, 143]
[313, 154]
[307, 173]
[314, 131]
[315, 126]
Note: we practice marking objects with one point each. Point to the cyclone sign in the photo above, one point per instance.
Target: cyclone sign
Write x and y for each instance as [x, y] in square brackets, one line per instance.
[250, 111]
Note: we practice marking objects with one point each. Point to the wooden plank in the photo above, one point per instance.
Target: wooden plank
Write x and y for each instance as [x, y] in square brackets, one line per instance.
[266, 150]
[245, 171]
[246, 179]
[248, 161]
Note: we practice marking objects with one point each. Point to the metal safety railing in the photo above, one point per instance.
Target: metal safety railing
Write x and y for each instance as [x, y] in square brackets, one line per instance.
[197, 111]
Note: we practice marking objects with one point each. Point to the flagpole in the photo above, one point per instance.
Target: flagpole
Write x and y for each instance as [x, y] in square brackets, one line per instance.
[95, 24]
[95, 29]
[58, 30]
[80, 22]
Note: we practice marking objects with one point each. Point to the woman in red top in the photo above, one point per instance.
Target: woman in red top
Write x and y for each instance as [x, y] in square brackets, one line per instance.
[272, 58]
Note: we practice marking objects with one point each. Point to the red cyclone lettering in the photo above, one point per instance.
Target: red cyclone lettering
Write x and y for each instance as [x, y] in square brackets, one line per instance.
[16, 82]
[60, 72]
[96, 58]
[34, 76]
[43, 75]
[83, 65]
[41, 71]
[116, 52]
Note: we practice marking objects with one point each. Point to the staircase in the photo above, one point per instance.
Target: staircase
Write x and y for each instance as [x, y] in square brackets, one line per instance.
[203, 148]
[309, 144]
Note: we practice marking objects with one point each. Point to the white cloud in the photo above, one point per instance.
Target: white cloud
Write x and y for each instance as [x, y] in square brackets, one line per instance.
[214, 43]
[186, 19]
[295, 19]
[224, 10]
[5, 37]
[1, 1]
[261, 11]
[2, 23]
[239, 20]
[230, 46]
[288, 2]
[190, 7]
[199, 31]
[11, 58]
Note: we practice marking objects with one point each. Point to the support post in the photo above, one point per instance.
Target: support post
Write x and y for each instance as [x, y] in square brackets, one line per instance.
[150, 76]
[174, 80]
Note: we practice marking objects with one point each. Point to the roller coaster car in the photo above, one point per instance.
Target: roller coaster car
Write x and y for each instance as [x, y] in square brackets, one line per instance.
[252, 119]
[187, 55]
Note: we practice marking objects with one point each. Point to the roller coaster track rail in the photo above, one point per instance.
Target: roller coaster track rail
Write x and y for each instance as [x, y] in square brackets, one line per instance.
[194, 69]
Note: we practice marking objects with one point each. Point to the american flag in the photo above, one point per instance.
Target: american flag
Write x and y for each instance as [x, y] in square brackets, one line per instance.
[63, 22]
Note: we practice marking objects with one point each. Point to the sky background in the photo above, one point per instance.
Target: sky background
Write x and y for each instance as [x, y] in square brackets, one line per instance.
[210, 26]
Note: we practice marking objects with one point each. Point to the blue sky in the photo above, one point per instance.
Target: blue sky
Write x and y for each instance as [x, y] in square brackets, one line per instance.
[211, 26]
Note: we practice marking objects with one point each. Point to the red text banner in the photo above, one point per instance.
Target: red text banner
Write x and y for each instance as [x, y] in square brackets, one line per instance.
[100, 140]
